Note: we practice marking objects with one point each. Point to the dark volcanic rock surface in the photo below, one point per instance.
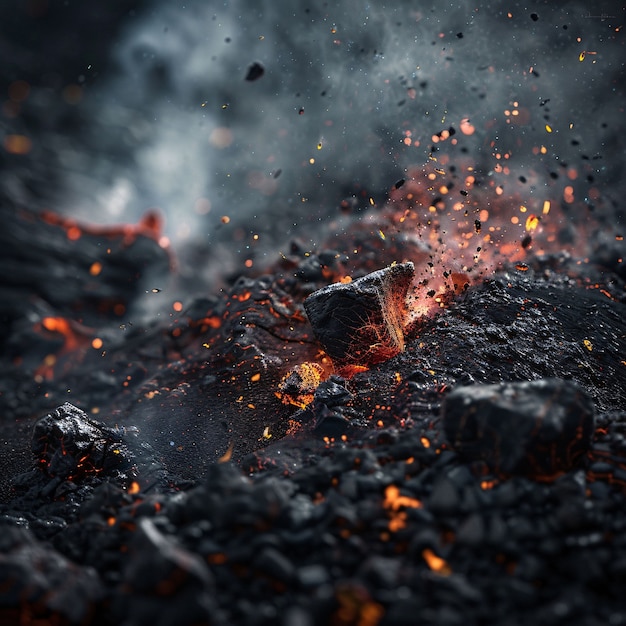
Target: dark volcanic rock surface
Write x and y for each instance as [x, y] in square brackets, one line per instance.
[355, 508]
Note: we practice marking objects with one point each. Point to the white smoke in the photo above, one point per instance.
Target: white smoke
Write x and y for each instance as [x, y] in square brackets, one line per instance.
[178, 127]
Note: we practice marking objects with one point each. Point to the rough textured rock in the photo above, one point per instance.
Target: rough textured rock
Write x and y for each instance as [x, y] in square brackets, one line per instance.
[539, 427]
[362, 322]
[68, 443]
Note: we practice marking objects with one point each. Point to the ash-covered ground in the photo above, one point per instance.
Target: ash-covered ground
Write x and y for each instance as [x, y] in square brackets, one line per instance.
[178, 448]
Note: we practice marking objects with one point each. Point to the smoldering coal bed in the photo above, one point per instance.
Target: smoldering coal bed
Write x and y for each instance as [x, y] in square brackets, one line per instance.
[419, 485]
[372, 374]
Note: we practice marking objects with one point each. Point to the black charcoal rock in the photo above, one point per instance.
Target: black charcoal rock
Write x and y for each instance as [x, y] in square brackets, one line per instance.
[69, 444]
[539, 428]
[362, 322]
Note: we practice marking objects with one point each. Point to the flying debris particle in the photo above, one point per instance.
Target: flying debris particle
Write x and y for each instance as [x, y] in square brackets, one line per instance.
[548, 128]
[277, 173]
[546, 207]
[399, 183]
[534, 17]
[459, 35]
[588, 344]
[522, 267]
[583, 55]
[477, 225]
[255, 71]
[466, 127]
[96, 343]
[225, 219]
[532, 221]
[526, 241]
[301, 111]
[319, 145]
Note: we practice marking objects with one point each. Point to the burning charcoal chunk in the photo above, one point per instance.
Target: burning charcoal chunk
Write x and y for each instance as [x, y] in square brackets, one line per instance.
[69, 444]
[331, 416]
[537, 428]
[255, 71]
[362, 322]
[41, 585]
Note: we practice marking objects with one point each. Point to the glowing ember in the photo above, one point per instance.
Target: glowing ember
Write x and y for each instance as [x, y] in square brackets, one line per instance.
[298, 386]
[436, 563]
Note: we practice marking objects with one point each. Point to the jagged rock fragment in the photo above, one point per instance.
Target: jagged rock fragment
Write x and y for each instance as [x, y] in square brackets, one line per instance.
[362, 322]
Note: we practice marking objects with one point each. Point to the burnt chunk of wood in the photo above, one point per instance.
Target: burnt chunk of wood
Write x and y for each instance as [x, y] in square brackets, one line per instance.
[537, 428]
[362, 322]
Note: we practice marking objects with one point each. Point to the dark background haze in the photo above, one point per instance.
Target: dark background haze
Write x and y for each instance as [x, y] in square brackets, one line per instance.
[129, 106]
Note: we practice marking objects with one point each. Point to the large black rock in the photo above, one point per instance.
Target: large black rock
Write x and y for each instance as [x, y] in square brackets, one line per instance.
[539, 428]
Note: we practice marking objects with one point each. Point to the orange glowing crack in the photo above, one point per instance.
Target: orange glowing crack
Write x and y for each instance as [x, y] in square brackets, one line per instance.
[150, 225]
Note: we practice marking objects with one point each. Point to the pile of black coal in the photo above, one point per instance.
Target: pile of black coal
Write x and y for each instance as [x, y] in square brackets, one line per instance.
[392, 525]
[420, 488]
